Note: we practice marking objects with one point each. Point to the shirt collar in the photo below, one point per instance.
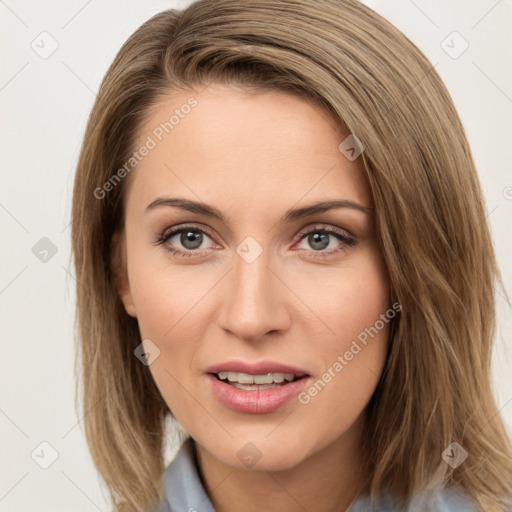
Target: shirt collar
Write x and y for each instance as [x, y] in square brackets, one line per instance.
[183, 488]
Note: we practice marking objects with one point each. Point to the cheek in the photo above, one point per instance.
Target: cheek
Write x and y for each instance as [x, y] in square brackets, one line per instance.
[350, 299]
[355, 328]
[170, 302]
[164, 293]
[168, 313]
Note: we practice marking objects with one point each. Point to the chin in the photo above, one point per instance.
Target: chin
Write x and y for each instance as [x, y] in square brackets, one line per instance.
[260, 454]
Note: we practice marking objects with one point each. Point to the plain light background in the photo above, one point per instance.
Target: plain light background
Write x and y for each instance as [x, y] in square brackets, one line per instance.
[44, 105]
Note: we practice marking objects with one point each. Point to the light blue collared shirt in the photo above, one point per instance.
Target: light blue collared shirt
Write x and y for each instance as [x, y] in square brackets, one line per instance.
[184, 492]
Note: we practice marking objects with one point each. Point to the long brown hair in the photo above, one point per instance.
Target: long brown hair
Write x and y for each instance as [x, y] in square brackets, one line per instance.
[431, 225]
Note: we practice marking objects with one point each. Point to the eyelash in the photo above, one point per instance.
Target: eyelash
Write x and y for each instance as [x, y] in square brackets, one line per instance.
[166, 235]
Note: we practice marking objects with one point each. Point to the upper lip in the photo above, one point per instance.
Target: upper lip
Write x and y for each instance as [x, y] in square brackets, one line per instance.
[256, 368]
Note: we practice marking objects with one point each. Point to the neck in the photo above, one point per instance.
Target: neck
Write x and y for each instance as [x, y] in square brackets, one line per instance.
[330, 480]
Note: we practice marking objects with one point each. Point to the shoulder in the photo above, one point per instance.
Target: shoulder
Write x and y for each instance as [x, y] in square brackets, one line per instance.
[442, 500]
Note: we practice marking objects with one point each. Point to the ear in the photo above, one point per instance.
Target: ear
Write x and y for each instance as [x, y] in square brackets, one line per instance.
[119, 271]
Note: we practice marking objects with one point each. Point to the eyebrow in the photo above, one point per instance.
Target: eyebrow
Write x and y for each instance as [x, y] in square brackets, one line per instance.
[291, 214]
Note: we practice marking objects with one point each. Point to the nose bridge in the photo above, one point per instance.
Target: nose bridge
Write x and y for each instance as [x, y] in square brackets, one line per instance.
[255, 298]
[252, 279]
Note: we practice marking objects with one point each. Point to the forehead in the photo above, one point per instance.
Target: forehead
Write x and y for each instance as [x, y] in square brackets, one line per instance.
[227, 146]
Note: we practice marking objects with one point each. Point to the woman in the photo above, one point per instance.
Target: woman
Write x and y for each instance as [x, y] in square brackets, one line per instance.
[281, 243]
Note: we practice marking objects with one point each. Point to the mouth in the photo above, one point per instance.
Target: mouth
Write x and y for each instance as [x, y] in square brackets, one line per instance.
[255, 387]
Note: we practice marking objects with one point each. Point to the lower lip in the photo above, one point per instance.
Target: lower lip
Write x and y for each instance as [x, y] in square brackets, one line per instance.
[255, 401]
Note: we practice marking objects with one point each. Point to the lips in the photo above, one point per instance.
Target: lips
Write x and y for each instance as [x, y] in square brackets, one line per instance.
[253, 398]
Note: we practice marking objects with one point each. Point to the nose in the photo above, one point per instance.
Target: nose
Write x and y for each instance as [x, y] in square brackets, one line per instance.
[255, 301]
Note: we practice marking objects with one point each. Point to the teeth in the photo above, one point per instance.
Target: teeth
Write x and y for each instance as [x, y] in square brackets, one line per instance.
[244, 378]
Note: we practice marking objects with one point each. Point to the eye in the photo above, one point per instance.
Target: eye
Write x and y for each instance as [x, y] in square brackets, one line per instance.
[319, 238]
[189, 237]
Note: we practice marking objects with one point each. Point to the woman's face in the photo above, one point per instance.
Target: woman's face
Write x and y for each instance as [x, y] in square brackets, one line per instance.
[260, 282]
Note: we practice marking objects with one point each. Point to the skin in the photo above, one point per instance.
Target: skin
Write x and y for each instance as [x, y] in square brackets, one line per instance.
[253, 157]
